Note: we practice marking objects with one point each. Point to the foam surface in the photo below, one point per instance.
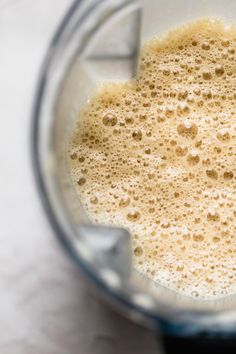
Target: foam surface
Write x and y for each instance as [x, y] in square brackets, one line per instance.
[157, 155]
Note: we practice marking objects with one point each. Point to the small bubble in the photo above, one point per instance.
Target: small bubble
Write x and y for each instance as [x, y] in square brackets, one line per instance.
[81, 159]
[116, 131]
[94, 200]
[206, 162]
[169, 111]
[129, 120]
[205, 45]
[207, 94]
[128, 101]
[190, 99]
[198, 238]
[133, 215]
[197, 91]
[225, 42]
[206, 75]
[181, 150]
[231, 50]
[180, 267]
[166, 72]
[109, 120]
[217, 150]
[219, 70]
[212, 174]
[216, 239]
[81, 181]
[160, 118]
[228, 175]
[183, 108]
[209, 279]
[147, 151]
[187, 129]
[137, 135]
[182, 95]
[124, 202]
[138, 251]
[212, 215]
[73, 156]
[165, 224]
[193, 157]
[223, 135]
[142, 117]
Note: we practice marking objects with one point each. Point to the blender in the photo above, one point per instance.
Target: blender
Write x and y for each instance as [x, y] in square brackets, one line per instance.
[99, 41]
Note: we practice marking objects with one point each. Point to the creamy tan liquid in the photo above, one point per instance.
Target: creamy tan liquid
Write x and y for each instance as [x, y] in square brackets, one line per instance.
[158, 156]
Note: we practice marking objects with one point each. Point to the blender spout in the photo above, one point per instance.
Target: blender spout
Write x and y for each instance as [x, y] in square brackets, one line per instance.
[110, 247]
[112, 51]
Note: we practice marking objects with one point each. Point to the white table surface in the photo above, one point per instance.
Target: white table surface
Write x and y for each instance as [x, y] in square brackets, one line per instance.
[46, 307]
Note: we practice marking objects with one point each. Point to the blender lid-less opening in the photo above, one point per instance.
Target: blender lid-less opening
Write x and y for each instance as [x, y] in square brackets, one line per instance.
[171, 312]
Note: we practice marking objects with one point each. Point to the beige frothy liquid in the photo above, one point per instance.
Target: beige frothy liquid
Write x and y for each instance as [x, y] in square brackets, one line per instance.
[158, 156]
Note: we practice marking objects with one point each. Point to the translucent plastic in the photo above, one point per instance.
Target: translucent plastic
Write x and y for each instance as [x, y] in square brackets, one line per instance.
[84, 51]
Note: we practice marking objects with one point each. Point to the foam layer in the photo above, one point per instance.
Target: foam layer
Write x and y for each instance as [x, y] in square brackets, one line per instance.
[157, 155]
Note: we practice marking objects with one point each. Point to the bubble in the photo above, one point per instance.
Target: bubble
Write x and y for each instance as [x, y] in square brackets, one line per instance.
[93, 200]
[138, 251]
[109, 120]
[137, 135]
[209, 279]
[181, 150]
[198, 238]
[165, 224]
[212, 174]
[228, 175]
[207, 94]
[182, 95]
[206, 162]
[205, 45]
[193, 157]
[147, 151]
[81, 181]
[133, 215]
[225, 42]
[206, 75]
[190, 99]
[166, 72]
[160, 118]
[129, 120]
[124, 202]
[197, 91]
[179, 268]
[231, 50]
[223, 135]
[73, 156]
[219, 70]
[183, 109]
[81, 159]
[187, 129]
[212, 215]
[216, 239]
[169, 111]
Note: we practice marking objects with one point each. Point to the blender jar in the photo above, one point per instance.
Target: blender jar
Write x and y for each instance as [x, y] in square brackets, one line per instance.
[99, 41]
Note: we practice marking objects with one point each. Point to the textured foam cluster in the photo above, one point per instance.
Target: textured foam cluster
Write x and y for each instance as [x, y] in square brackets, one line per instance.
[157, 155]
